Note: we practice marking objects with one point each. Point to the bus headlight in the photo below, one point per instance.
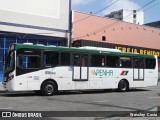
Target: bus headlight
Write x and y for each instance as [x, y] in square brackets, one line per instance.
[11, 77]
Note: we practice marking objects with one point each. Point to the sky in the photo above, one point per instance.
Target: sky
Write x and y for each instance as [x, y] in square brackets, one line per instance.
[151, 11]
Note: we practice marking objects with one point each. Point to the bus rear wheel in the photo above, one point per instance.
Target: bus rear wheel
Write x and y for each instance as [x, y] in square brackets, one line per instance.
[123, 86]
[49, 88]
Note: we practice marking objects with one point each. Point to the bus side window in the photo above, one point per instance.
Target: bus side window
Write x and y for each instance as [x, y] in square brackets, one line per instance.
[125, 62]
[141, 63]
[135, 63]
[97, 61]
[33, 62]
[77, 60]
[150, 63]
[84, 60]
[65, 59]
[112, 61]
[51, 58]
[27, 62]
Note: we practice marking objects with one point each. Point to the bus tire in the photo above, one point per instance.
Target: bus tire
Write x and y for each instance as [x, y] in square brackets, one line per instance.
[123, 86]
[49, 88]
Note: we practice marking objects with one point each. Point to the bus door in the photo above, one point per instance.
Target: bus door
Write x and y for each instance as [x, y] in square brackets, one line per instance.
[80, 67]
[138, 69]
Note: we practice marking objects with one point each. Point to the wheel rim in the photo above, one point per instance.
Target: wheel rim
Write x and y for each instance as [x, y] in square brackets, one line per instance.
[123, 86]
[49, 89]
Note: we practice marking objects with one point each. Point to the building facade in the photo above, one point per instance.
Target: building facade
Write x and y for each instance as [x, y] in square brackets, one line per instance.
[44, 22]
[132, 16]
[111, 33]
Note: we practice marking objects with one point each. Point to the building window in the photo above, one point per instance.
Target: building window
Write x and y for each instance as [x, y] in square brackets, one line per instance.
[134, 11]
[103, 38]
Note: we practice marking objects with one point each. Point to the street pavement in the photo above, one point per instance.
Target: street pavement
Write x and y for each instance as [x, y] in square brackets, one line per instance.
[135, 100]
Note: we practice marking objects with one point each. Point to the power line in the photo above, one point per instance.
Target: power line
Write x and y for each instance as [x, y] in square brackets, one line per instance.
[116, 22]
[96, 12]
[146, 5]
[153, 6]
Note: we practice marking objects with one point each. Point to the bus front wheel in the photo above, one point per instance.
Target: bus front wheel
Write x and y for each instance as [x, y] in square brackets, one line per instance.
[49, 88]
[123, 86]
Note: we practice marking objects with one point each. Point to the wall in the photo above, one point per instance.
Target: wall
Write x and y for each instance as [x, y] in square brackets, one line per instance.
[90, 27]
[45, 17]
[140, 18]
[128, 16]
[159, 70]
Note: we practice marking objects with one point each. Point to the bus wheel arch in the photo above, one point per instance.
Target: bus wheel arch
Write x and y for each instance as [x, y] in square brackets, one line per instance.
[123, 85]
[49, 87]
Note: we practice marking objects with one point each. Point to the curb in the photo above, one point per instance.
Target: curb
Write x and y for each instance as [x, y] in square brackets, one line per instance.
[1, 87]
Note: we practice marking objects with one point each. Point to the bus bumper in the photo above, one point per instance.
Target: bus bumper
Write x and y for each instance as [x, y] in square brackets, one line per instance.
[8, 86]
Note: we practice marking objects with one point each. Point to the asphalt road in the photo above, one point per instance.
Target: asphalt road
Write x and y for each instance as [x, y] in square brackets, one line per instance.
[147, 99]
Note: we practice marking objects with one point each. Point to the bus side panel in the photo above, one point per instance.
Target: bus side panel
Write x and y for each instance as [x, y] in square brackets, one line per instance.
[28, 81]
[102, 78]
[33, 81]
[125, 74]
[10, 86]
[151, 77]
[63, 76]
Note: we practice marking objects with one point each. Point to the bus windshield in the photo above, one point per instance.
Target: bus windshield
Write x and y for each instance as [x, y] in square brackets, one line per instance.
[10, 62]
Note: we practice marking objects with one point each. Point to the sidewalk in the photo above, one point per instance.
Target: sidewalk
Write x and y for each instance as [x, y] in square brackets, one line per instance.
[1, 87]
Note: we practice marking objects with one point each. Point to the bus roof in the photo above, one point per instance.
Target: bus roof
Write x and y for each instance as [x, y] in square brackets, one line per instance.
[81, 49]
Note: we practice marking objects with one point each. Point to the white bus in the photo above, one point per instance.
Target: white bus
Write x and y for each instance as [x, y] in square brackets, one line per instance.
[49, 69]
